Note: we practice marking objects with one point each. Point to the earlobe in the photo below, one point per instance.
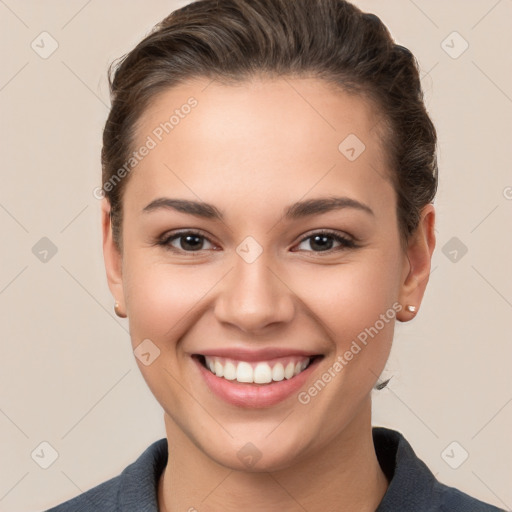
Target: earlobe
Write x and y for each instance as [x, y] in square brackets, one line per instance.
[112, 259]
[417, 265]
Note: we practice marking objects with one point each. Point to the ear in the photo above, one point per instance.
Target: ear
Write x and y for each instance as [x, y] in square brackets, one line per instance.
[112, 257]
[417, 264]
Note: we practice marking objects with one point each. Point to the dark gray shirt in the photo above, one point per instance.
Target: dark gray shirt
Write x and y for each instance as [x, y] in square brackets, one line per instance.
[412, 487]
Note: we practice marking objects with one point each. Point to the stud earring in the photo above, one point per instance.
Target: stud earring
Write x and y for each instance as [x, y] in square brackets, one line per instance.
[411, 309]
[117, 311]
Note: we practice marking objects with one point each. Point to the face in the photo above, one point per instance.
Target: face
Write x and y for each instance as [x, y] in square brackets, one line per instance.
[260, 240]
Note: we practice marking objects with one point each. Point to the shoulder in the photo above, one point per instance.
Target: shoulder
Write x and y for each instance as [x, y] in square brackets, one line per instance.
[102, 497]
[134, 489]
[453, 500]
[412, 486]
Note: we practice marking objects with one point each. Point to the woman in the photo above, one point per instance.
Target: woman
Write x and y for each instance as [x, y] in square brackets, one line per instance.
[269, 169]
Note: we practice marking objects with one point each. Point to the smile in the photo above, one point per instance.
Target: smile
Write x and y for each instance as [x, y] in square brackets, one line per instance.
[258, 380]
[262, 372]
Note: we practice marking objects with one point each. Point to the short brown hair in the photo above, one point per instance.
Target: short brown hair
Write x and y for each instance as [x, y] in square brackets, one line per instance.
[233, 40]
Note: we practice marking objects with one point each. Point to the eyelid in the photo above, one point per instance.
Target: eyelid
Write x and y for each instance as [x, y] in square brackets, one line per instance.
[331, 232]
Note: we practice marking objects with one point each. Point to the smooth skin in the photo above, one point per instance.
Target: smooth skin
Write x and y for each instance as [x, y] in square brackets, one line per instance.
[252, 150]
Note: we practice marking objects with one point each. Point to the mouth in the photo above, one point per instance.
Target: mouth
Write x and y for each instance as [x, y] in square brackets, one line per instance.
[256, 372]
[255, 380]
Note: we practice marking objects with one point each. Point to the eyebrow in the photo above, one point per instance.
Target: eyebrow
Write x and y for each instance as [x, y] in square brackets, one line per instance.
[295, 211]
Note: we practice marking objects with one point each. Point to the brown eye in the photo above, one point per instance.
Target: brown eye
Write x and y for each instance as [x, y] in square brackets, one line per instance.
[186, 241]
[323, 242]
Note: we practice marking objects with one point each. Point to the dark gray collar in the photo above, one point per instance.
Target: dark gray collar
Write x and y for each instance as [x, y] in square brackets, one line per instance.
[412, 488]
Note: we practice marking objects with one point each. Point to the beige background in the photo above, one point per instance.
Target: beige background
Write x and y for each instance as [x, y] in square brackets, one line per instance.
[67, 373]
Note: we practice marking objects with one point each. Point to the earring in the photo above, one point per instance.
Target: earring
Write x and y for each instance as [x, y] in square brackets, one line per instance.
[118, 313]
[411, 309]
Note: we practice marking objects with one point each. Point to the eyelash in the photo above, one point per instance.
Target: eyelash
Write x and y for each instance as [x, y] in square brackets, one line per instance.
[346, 243]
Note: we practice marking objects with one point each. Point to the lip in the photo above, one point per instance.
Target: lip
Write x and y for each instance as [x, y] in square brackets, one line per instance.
[267, 354]
[254, 395]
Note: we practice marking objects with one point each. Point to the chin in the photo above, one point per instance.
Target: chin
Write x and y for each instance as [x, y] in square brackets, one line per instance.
[257, 453]
[250, 459]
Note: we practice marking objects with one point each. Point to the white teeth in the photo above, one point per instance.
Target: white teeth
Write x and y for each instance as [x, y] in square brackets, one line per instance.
[244, 373]
[229, 371]
[260, 373]
[278, 372]
[289, 371]
[218, 369]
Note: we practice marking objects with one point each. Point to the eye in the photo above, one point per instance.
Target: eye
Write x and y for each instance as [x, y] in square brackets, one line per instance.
[194, 241]
[323, 241]
[186, 241]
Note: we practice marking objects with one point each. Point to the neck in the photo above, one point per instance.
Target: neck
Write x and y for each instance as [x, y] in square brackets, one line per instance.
[346, 472]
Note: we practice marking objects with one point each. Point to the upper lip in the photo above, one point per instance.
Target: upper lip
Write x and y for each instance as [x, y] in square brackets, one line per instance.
[243, 354]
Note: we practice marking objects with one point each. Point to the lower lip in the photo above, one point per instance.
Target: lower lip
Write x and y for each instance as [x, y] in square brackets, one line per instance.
[254, 395]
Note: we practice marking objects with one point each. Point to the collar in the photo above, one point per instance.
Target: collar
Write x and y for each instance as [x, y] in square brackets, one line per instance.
[412, 486]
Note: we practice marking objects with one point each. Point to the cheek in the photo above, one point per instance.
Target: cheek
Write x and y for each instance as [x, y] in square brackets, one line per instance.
[351, 296]
[162, 299]
[164, 302]
[356, 305]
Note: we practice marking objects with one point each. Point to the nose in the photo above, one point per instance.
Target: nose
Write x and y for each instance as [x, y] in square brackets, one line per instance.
[254, 296]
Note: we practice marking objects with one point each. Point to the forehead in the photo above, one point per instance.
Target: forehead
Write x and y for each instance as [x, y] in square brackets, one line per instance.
[259, 135]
